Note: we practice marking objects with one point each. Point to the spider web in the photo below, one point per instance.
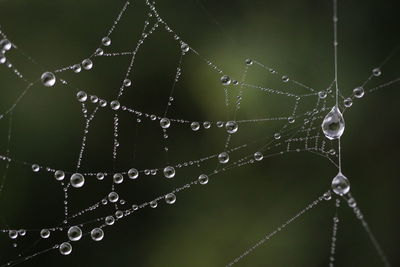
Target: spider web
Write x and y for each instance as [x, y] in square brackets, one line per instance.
[105, 197]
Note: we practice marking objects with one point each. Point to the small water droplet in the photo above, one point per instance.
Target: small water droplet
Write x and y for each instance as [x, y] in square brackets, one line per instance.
[231, 127]
[358, 92]
[223, 157]
[48, 79]
[169, 172]
[170, 198]
[226, 80]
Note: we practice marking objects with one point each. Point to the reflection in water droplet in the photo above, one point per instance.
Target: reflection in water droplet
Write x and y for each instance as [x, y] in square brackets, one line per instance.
[333, 124]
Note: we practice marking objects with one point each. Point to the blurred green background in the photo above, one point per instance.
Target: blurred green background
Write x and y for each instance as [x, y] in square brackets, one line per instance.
[210, 225]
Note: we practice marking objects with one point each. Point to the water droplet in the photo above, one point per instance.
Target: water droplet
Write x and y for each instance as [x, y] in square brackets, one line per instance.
[195, 126]
[65, 248]
[165, 123]
[348, 102]
[115, 105]
[231, 127]
[5, 45]
[127, 82]
[59, 175]
[13, 234]
[35, 167]
[118, 178]
[376, 72]
[333, 124]
[22, 232]
[106, 41]
[223, 157]
[102, 103]
[170, 198]
[277, 136]
[45, 233]
[206, 125]
[77, 180]
[203, 179]
[113, 197]
[249, 62]
[97, 234]
[109, 220]
[77, 68]
[226, 80]
[81, 96]
[3, 58]
[322, 94]
[133, 173]
[153, 204]
[220, 124]
[358, 92]
[99, 52]
[185, 48]
[291, 119]
[169, 172]
[285, 79]
[328, 195]
[87, 64]
[48, 79]
[340, 184]
[74, 233]
[258, 156]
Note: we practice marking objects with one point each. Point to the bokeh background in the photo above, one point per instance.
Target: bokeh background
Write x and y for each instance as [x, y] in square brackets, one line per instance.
[210, 225]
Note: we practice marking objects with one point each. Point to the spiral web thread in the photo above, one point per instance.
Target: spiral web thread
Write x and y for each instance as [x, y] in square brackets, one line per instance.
[300, 130]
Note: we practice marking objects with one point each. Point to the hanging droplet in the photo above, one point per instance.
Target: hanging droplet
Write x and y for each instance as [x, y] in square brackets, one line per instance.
[195, 126]
[81, 96]
[48, 79]
[249, 62]
[74, 233]
[185, 48]
[376, 72]
[231, 127]
[97, 234]
[203, 179]
[65, 248]
[133, 173]
[165, 123]
[169, 172]
[109, 220]
[35, 167]
[333, 124]
[226, 80]
[118, 178]
[87, 64]
[77, 180]
[340, 184]
[59, 175]
[358, 92]
[170, 198]
[5, 45]
[77, 68]
[258, 156]
[127, 82]
[45, 233]
[223, 158]
[348, 102]
[113, 197]
[322, 94]
[106, 41]
[115, 105]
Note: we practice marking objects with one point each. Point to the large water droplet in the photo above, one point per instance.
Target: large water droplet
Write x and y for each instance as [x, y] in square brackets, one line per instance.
[340, 184]
[333, 124]
[77, 180]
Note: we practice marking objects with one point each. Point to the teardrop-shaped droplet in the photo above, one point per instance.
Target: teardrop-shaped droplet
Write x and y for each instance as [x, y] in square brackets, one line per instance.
[333, 124]
[340, 184]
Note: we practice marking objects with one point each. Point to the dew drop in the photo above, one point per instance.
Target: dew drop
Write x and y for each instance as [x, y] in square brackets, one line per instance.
[77, 180]
[170, 198]
[106, 41]
[169, 172]
[285, 79]
[348, 102]
[340, 184]
[118, 178]
[376, 72]
[74, 233]
[165, 123]
[115, 105]
[223, 158]
[291, 119]
[77, 68]
[13, 234]
[87, 64]
[113, 197]
[48, 79]
[2, 58]
[226, 80]
[203, 179]
[99, 52]
[59, 175]
[206, 125]
[100, 176]
[35, 167]
[133, 173]
[65, 248]
[97, 234]
[258, 156]
[81, 96]
[153, 204]
[185, 48]
[5, 45]
[109, 220]
[322, 94]
[195, 126]
[127, 82]
[277, 136]
[249, 62]
[333, 124]
[358, 92]
[45, 233]
[231, 127]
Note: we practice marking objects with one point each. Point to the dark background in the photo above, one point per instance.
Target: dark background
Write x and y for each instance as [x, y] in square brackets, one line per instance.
[211, 225]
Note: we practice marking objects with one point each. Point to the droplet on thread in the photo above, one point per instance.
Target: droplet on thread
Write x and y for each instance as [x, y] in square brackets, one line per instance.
[333, 124]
